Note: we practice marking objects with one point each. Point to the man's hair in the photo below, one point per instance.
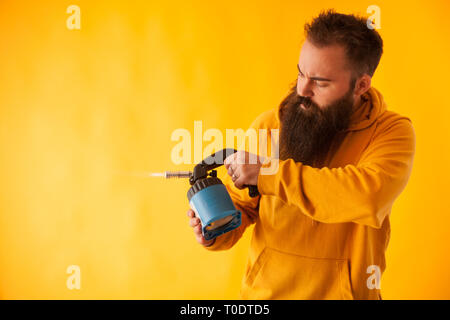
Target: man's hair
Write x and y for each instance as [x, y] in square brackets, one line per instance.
[363, 45]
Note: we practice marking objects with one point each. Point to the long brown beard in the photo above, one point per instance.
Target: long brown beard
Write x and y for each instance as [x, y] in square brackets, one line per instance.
[306, 135]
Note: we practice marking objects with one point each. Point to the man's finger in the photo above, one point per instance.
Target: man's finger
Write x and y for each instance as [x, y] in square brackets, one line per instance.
[198, 229]
[241, 157]
[229, 160]
[202, 240]
[194, 222]
[239, 183]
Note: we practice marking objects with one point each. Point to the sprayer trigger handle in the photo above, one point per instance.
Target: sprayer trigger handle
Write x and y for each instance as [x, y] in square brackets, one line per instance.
[252, 191]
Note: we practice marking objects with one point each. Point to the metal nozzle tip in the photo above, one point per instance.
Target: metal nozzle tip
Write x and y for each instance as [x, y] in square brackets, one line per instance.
[172, 174]
[178, 174]
[158, 174]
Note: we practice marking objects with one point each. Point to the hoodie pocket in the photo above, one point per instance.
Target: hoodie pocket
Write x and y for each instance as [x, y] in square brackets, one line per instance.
[280, 275]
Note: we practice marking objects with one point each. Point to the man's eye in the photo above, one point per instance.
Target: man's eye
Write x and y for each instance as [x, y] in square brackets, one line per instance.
[321, 85]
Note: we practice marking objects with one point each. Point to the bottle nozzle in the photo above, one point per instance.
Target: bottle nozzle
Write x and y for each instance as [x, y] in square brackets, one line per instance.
[172, 174]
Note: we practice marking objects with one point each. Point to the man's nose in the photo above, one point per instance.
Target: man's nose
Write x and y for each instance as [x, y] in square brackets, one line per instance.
[304, 88]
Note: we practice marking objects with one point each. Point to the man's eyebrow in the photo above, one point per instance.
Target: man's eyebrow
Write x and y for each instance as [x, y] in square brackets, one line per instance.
[313, 78]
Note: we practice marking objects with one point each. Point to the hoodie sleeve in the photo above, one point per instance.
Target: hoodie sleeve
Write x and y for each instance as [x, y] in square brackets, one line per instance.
[362, 193]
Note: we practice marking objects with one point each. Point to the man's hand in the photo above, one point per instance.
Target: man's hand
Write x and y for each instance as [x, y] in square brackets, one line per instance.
[194, 222]
[243, 168]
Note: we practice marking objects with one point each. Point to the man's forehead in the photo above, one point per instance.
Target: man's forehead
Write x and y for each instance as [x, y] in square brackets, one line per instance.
[324, 62]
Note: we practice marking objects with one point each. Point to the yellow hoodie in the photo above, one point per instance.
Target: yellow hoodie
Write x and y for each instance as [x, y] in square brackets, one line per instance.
[322, 233]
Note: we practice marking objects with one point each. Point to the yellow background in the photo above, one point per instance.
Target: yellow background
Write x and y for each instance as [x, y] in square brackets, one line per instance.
[81, 110]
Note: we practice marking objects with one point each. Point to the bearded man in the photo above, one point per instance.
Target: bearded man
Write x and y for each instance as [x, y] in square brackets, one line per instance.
[321, 222]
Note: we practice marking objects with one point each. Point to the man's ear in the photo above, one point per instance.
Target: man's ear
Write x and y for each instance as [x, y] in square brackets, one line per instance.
[362, 85]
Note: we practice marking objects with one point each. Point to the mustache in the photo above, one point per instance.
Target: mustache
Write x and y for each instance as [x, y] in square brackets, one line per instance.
[307, 102]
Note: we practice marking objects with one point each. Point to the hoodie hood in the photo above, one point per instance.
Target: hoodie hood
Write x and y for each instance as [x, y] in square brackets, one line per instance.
[371, 108]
